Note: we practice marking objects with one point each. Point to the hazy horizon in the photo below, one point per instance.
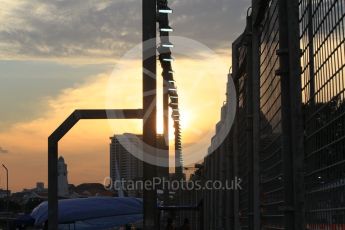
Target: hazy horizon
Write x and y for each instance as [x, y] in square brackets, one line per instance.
[64, 55]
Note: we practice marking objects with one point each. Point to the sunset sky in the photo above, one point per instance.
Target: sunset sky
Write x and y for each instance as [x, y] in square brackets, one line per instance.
[57, 56]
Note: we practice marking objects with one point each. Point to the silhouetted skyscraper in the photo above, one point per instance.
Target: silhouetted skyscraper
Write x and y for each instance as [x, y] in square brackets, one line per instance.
[123, 164]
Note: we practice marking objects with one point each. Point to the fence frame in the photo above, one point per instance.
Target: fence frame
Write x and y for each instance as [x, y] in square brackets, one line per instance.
[287, 206]
[292, 118]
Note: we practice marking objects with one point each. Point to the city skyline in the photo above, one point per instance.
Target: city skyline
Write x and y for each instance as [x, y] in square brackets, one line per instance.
[184, 114]
[45, 84]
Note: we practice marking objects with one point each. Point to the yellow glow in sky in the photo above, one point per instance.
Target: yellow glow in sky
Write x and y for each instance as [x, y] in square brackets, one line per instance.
[86, 148]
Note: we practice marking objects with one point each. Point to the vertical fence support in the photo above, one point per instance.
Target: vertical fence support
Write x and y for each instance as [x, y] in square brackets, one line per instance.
[292, 136]
[249, 113]
[235, 139]
[149, 108]
[255, 82]
[256, 117]
[287, 154]
[296, 113]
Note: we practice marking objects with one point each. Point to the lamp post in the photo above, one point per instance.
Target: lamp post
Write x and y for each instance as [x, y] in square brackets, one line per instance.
[8, 192]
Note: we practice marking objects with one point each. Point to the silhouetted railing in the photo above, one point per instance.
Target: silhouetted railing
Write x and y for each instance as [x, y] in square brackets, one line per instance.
[288, 141]
[323, 86]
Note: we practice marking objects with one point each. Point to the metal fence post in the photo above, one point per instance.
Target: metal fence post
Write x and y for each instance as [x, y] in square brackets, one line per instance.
[296, 113]
[292, 136]
[287, 157]
[235, 142]
[255, 81]
[249, 121]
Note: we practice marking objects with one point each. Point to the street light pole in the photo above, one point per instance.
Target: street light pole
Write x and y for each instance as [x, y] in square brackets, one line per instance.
[8, 192]
[149, 109]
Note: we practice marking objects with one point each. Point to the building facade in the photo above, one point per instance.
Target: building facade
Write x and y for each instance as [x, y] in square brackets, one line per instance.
[123, 164]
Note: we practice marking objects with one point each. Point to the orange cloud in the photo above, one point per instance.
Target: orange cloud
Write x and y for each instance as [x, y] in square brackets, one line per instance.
[201, 85]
